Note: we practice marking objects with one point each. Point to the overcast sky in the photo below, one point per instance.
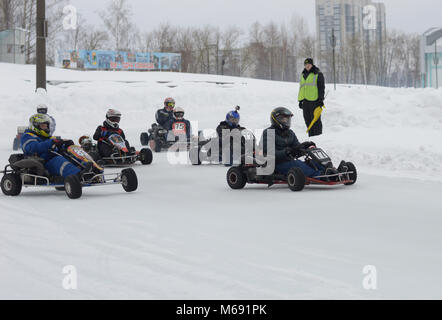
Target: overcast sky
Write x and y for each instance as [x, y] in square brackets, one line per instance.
[407, 15]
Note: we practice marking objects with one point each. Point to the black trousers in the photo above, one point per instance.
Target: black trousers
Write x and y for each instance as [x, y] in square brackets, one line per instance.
[309, 109]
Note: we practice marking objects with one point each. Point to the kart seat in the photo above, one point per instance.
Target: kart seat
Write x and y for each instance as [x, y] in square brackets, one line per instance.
[35, 164]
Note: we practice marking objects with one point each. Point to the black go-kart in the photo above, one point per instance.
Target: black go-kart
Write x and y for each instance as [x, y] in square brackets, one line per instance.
[160, 139]
[122, 156]
[345, 174]
[25, 171]
[202, 152]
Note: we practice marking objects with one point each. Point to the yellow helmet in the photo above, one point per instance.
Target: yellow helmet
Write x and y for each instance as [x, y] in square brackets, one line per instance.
[36, 121]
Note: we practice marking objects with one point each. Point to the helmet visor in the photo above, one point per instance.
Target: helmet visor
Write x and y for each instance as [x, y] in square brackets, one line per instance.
[234, 120]
[286, 121]
[179, 115]
[169, 106]
[114, 119]
[42, 110]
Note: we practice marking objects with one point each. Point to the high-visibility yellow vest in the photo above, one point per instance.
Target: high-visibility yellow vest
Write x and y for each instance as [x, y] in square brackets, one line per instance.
[308, 88]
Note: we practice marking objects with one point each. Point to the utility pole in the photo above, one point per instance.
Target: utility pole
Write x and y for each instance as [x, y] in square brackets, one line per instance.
[42, 33]
[333, 43]
[436, 63]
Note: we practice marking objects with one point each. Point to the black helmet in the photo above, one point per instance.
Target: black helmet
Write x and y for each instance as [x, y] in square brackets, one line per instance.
[281, 118]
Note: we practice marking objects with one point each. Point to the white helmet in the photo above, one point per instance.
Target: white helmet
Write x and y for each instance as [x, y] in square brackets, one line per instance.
[178, 113]
[113, 118]
[42, 109]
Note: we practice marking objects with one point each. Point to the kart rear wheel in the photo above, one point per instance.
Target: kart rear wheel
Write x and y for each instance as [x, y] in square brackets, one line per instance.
[16, 144]
[73, 187]
[11, 184]
[296, 179]
[144, 139]
[353, 176]
[236, 178]
[146, 156]
[129, 180]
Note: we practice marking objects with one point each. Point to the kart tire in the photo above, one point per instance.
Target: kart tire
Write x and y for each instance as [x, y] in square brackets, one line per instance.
[144, 139]
[16, 144]
[129, 180]
[146, 156]
[73, 187]
[353, 176]
[236, 178]
[296, 179]
[11, 184]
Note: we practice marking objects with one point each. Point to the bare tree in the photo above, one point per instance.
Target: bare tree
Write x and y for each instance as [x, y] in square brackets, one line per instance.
[117, 20]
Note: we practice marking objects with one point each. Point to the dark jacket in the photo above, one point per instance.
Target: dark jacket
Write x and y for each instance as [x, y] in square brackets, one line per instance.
[284, 140]
[219, 130]
[169, 125]
[104, 131]
[321, 81]
[163, 116]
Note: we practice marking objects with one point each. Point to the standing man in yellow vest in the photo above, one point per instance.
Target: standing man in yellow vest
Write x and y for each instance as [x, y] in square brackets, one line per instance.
[311, 95]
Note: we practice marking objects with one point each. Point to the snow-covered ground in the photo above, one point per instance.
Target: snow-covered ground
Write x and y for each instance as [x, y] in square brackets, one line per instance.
[185, 234]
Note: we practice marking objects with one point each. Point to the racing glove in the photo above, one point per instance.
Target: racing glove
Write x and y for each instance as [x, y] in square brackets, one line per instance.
[68, 143]
[308, 144]
[58, 143]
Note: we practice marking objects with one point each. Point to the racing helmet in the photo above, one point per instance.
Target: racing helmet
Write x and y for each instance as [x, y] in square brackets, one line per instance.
[42, 108]
[178, 113]
[281, 118]
[113, 118]
[40, 125]
[85, 142]
[233, 118]
[169, 104]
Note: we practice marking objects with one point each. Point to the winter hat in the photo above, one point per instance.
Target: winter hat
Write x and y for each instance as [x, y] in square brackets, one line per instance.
[308, 61]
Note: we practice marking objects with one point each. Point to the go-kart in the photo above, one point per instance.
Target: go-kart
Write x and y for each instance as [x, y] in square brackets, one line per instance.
[25, 171]
[122, 155]
[203, 151]
[345, 174]
[160, 139]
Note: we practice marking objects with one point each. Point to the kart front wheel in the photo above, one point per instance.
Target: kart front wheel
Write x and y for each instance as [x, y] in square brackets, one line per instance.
[146, 156]
[353, 176]
[296, 179]
[236, 178]
[11, 184]
[144, 139]
[129, 180]
[73, 187]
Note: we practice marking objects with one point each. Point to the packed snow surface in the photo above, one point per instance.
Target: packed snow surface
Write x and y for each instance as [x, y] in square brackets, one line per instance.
[186, 234]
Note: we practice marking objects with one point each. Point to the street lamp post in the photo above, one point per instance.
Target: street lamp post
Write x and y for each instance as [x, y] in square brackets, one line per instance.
[42, 33]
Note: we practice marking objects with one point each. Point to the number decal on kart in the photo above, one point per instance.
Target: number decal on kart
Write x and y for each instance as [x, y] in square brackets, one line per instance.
[179, 128]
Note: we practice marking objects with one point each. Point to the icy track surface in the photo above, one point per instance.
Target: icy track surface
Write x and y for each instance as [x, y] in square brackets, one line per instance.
[185, 234]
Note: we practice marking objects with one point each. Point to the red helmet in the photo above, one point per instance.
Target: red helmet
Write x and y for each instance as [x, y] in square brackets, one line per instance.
[169, 104]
